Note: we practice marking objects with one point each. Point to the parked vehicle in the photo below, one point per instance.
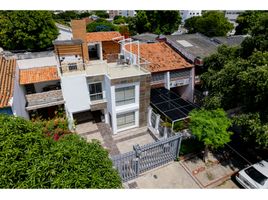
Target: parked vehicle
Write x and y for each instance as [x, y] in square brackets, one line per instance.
[254, 176]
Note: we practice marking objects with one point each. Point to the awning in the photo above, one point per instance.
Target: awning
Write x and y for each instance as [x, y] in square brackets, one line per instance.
[170, 104]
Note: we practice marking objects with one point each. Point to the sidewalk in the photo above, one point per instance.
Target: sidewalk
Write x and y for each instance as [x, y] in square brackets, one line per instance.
[170, 176]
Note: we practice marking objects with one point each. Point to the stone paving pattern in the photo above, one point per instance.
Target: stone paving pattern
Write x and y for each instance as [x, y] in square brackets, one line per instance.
[121, 143]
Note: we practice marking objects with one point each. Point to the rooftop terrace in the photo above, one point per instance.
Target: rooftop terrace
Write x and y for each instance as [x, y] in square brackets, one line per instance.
[113, 70]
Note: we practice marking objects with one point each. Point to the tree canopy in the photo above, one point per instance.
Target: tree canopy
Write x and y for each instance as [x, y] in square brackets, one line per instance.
[101, 13]
[211, 23]
[248, 20]
[31, 159]
[158, 22]
[27, 30]
[101, 25]
[237, 77]
[210, 127]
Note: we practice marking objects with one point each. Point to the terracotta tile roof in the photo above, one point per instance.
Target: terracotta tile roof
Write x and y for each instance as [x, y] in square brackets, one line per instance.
[161, 57]
[7, 78]
[38, 74]
[102, 36]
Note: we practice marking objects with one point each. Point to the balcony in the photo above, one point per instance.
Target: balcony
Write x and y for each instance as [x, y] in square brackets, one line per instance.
[99, 104]
[44, 99]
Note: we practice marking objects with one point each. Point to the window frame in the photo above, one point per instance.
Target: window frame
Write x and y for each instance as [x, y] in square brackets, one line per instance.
[96, 94]
[123, 102]
[126, 124]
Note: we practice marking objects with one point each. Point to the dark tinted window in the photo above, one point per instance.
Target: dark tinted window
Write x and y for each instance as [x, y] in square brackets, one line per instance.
[256, 175]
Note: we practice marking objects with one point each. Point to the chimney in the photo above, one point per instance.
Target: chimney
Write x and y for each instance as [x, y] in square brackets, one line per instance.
[80, 32]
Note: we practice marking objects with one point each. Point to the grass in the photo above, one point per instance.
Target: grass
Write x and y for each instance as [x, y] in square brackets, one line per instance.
[191, 146]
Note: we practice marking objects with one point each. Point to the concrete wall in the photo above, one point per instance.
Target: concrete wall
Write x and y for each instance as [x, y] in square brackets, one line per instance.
[75, 93]
[19, 101]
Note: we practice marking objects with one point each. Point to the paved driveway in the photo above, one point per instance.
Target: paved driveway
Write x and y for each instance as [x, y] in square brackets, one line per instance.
[171, 176]
[120, 143]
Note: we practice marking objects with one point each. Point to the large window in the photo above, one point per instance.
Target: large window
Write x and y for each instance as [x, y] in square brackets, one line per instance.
[125, 95]
[125, 120]
[95, 90]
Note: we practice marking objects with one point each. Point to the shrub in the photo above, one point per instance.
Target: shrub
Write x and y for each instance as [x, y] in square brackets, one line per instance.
[28, 159]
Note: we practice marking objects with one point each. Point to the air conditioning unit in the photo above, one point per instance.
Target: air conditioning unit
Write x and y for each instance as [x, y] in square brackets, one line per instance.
[121, 56]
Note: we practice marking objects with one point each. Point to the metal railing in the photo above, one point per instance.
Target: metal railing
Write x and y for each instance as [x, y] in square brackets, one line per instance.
[143, 158]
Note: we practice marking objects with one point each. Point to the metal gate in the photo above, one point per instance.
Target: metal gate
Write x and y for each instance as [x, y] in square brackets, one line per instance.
[144, 158]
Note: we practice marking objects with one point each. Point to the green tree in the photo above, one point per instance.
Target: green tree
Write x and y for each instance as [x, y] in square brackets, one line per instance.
[27, 30]
[247, 21]
[101, 14]
[30, 159]
[252, 130]
[210, 127]
[259, 37]
[101, 25]
[211, 23]
[158, 22]
[119, 21]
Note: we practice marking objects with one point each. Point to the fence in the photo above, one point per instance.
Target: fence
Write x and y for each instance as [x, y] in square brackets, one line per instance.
[144, 158]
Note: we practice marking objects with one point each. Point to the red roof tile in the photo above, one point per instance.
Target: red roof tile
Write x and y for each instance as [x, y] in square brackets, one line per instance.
[102, 36]
[7, 78]
[38, 74]
[161, 57]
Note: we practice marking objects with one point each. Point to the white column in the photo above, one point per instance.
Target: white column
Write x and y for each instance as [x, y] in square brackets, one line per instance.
[149, 117]
[106, 117]
[167, 80]
[100, 49]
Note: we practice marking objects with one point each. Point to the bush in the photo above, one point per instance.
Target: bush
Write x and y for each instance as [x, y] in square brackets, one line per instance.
[28, 159]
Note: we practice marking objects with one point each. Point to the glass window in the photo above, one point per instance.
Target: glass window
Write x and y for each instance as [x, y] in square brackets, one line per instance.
[125, 120]
[95, 90]
[125, 95]
[256, 175]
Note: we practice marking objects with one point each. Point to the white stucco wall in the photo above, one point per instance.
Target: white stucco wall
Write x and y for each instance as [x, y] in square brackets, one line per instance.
[186, 14]
[19, 101]
[75, 93]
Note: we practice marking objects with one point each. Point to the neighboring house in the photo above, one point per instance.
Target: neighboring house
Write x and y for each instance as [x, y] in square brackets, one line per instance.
[232, 15]
[97, 88]
[195, 47]
[168, 68]
[125, 13]
[65, 32]
[235, 40]
[12, 100]
[40, 83]
[145, 38]
[186, 14]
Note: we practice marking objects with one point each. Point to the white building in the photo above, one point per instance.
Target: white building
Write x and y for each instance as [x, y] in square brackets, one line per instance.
[125, 13]
[186, 14]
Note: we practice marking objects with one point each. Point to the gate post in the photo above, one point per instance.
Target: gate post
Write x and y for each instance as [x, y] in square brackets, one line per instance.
[157, 121]
[138, 152]
[179, 145]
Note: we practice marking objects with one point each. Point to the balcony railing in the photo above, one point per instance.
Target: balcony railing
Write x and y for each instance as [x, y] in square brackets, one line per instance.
[44, 99]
